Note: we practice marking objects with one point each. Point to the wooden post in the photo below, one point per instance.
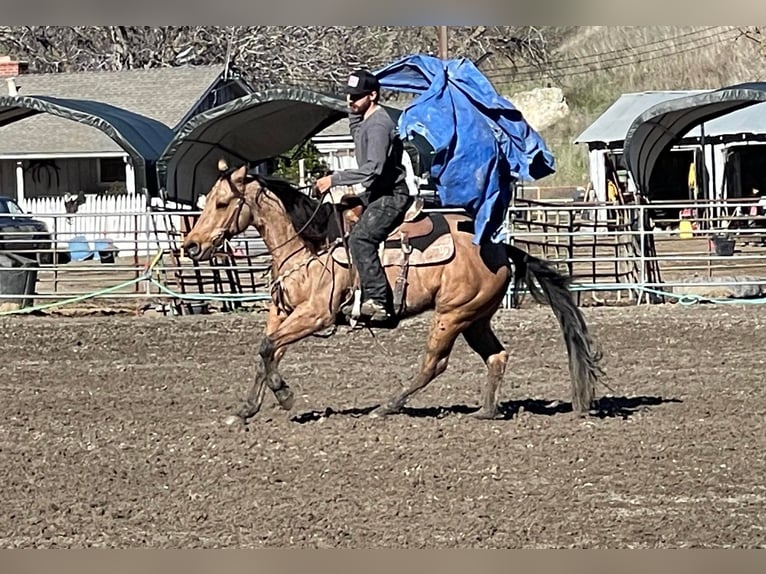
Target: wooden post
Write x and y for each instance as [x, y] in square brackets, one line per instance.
[443, 52]
[21, 193]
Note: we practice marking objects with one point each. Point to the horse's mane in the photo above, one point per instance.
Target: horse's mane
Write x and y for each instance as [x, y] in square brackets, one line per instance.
[316, 224]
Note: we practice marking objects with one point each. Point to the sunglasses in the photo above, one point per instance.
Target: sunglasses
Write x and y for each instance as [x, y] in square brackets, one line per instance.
[357, 97]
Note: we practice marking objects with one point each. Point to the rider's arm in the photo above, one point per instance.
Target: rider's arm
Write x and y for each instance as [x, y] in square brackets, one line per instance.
[377, 143]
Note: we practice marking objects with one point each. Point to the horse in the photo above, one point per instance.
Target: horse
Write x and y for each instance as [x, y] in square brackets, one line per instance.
[430, 261]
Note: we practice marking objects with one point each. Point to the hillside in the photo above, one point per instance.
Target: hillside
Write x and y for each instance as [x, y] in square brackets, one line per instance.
[592, 65]
[595, 64]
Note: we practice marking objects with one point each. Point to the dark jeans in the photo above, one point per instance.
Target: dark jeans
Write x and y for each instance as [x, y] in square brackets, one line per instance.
[382, 215]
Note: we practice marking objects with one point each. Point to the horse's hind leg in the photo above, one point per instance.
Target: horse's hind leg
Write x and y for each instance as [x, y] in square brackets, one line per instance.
[444, 331]
[481, 339]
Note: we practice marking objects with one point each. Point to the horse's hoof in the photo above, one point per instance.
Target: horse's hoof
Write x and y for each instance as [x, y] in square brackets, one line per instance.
[233, 420]
[486, 414]
[286, 398]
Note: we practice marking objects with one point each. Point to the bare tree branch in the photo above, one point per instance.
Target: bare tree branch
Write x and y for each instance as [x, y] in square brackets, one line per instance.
[316, 56]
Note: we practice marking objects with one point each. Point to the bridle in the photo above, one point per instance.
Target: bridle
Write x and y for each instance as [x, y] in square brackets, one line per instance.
[277, 290]
[242, 200]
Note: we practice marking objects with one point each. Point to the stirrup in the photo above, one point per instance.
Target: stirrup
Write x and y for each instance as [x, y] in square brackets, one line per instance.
[375, 311]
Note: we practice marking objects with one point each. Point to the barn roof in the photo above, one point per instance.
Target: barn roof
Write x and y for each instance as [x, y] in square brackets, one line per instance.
[161, 94]
[612, 126]
[142, 138]
[255, 127]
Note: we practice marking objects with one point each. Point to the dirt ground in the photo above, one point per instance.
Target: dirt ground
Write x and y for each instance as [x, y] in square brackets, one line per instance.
[111, 435]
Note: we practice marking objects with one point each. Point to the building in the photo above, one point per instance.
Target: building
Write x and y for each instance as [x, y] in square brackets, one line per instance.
[727, 152]
[46, 156]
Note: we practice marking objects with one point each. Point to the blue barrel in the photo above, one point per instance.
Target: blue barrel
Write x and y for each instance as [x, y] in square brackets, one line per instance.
[79, 248]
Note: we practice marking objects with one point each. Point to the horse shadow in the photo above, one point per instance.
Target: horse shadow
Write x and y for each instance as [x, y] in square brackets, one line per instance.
[605, 407]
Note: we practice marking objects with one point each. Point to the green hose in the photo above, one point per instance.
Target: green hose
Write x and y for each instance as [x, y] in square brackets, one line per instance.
[77, 299]
[683, 298]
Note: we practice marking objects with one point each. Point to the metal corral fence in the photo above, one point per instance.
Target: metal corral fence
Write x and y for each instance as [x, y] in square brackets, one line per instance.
[132, 258]
[655, 252]
[614, 253]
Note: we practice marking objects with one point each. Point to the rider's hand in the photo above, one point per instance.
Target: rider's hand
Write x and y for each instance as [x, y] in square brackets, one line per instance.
[323, 184]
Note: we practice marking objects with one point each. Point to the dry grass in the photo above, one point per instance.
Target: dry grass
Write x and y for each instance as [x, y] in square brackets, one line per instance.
[595, 64]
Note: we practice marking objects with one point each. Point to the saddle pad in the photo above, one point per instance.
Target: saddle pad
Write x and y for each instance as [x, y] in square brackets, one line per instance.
[438, 251]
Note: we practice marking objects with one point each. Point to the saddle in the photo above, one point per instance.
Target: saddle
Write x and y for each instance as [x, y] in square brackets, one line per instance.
[421, 239]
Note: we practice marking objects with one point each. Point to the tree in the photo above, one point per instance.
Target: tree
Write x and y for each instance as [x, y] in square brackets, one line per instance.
[755, 34]
[317, 57]
[287, 166]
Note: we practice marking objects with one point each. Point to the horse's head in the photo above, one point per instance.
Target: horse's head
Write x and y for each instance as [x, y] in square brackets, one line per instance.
[226, 213]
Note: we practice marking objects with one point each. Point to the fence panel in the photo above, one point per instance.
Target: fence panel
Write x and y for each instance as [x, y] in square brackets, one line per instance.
[614, 253]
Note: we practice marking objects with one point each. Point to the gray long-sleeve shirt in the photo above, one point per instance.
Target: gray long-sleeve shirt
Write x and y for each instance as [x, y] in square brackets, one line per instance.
[378, 152]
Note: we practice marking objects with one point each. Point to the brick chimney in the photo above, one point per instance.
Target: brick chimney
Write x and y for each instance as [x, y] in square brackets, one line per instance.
[10, 67]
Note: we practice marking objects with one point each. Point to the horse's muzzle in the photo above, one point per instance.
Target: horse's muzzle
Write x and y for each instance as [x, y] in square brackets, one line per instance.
[197, 252]
[192, 249]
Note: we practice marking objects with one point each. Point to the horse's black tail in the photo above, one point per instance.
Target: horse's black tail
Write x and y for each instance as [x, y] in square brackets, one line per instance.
[584, 355]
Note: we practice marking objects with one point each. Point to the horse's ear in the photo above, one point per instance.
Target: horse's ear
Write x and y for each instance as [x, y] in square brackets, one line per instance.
[223, 166]
[238, 172]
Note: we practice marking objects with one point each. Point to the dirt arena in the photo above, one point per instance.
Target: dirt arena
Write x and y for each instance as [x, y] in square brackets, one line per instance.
[111, 435]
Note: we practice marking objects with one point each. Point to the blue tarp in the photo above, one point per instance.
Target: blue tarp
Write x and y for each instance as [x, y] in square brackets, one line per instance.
[481, 141]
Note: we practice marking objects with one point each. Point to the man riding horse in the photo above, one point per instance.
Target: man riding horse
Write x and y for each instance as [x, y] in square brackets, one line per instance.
[386, 198]
[450, 266]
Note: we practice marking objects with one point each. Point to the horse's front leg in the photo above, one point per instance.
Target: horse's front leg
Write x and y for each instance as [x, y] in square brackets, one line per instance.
[307, 319]
[254, 398]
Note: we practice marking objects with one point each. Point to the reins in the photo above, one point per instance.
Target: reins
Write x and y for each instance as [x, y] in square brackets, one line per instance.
[278, 296]
[242, 199]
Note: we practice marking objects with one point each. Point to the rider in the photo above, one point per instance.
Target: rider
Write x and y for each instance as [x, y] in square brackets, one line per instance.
[378, 152]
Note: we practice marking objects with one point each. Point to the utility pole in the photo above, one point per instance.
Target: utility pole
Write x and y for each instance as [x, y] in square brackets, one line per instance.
[443, 42]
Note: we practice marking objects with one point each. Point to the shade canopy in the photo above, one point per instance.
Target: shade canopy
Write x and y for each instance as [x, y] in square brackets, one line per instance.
[252, 128]
[661, 126]
[143, 138]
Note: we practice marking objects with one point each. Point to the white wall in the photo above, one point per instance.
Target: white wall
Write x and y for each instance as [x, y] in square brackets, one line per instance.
[70, 175]
[714, 154]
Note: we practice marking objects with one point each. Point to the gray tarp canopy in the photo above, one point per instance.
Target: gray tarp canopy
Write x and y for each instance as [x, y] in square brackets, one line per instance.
[252, 128]
[143, 138]
[661, 126]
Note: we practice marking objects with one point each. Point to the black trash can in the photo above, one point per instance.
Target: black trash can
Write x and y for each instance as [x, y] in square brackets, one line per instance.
[723, 245]
[18, 276]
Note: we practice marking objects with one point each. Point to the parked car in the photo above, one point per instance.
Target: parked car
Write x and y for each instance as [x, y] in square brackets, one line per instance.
[22, 234]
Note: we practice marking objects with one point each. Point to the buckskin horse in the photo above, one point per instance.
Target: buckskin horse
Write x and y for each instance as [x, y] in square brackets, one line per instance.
[431, 263]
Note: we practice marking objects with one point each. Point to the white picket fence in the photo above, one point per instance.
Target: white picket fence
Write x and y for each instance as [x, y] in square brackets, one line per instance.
[121, 220]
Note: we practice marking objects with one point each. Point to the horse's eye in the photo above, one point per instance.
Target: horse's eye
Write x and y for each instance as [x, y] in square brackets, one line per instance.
[221, 204]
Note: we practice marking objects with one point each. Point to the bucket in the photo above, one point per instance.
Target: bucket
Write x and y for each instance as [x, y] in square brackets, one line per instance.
[723, 245]
[18, 276]
[685, 229]
[106, 250]
[200, 308]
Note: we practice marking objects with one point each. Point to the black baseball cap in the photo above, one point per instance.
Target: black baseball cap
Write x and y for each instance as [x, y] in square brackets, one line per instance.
[362, 82]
